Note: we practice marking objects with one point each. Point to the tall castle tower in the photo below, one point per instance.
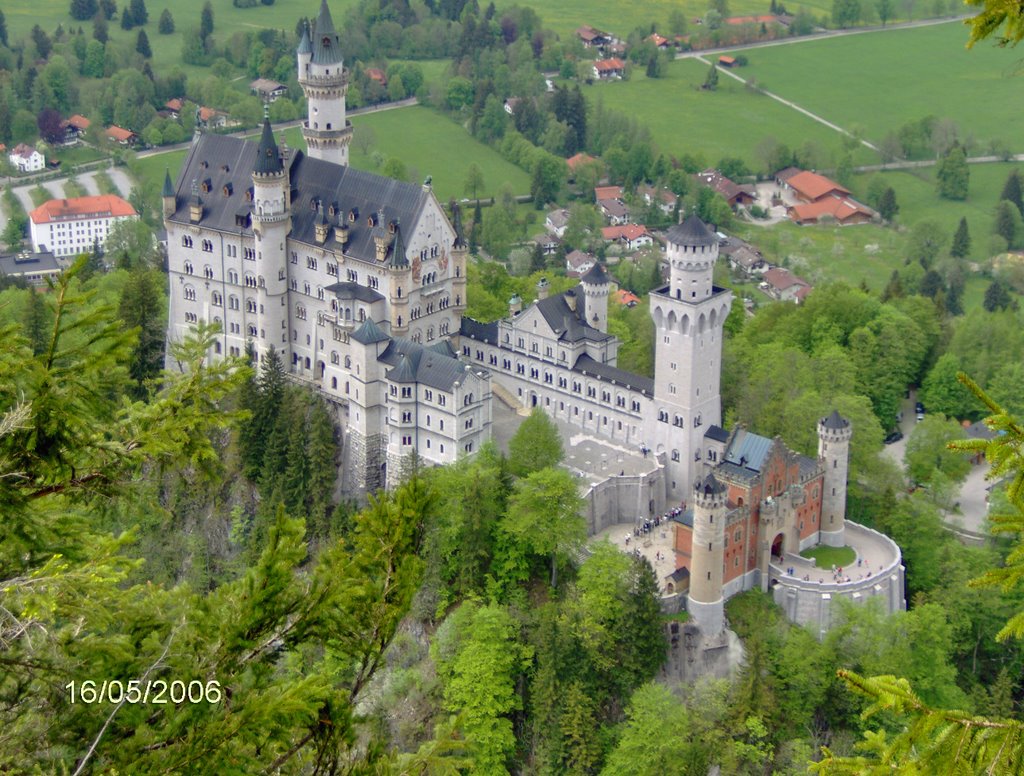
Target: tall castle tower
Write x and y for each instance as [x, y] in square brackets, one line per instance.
[324, 80]
[705, 601]
[271, 216]
[596, 288]
[689, 317]
[834, 434]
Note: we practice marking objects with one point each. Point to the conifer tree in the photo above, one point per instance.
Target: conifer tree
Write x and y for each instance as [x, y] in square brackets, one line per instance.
[322, 453]
[35, 323]
[141, 309]
[140, 15]
[206, 21]
[142, 44]
[1012, 191]
[109, 9]
[127, 21]
[1006, 222]
[166, 25]
[3, 28]
[887, 206]
[99, 33]
[961, 240]
[711, 82]
[894, 288]
[83, 10]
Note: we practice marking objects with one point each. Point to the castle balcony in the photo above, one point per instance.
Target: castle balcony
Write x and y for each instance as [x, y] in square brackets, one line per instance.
[433, 290]
[326, 134]
[337, 77]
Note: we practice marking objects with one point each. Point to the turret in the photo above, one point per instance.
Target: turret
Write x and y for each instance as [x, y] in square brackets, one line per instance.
[834, 433]
[271, 222]
[515, 305]
[705, 601]
[596, 288]
[691, 251]
[170, 201]
[324, 80]
[305, 51]
[399, 273]
[543, 287]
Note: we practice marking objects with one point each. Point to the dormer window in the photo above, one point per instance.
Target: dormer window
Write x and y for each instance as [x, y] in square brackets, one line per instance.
[248, 194]
[228, 189]
[392, 227]
[371, 220]
[326, 42]
[225, 168]
[333, 209]
[314, 203]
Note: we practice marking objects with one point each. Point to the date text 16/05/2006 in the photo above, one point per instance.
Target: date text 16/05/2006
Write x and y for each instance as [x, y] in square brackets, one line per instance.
[144, 691]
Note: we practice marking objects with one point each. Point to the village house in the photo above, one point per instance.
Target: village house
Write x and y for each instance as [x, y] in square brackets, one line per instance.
[121, 136]
[781, 284]
[817, 196]
[578, 263]
[631, 236]
[592, 38]
[173, 107]
[211, 118]
[511, 104]
[378, 75]
[743, 257]
[556, 221]
[736, 195]
[548, 243]
[609, 69]
[577, 160]
[26, 159]
[267, 90]
[626, 298]
[75, 129]
[665, 198]
[614, 211]
[663, 44]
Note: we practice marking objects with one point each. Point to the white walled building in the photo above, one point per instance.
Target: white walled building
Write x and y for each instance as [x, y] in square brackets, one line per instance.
[68, 227]
[25, 158]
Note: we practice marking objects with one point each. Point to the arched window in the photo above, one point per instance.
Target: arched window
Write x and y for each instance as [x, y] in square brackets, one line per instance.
[208, 272]
[190, 293]
[188, 268]
[186, 241]
[348, 362]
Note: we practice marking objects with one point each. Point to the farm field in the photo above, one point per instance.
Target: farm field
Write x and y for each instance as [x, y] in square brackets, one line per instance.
[880, 81]
[731, 121]
[917, 199]
[565, 16]
[427, 142]
[22, 15]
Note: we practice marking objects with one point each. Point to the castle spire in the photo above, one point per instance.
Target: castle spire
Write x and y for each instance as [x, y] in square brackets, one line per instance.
[168, 186]
[305, 47]
[326, 44]
[268, 160]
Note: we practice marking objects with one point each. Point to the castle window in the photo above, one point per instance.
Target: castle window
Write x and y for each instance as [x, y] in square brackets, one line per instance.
[663, 416]
[547, 378]
[696, 456]
[233, 302]
[217, 299]
[605, 396]
[250, 305]
[188, 268]
[319, 292]
[186, 241]
[190, 293]
[406, 393]
[310, 262]
[332, 269]
[562, 382]
[250, 280]
[335, 358]
[252, 330]
[407, 417]
[348, 362]
[191, 318]
[591, 392]
[635, 406]
[675, 455]
[249, 254]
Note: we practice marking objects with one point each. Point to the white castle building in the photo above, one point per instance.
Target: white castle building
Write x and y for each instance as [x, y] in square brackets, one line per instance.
[359, 283]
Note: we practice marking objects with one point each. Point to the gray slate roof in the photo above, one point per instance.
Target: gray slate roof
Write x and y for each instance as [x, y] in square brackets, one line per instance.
[692, 231]
[15, 264]
[747, 450]
[326, 46]
[571, 325]
[596, 275]
[268, 158]
[607, 373]
[709, 485]
[313, 181]
[369, 333]
[717, 433]
[481, 332]
[414, 363]
[348, 290]
[835, 421]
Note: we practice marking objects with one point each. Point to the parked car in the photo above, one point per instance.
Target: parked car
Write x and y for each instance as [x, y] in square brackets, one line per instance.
[895, 436]
[919, 409]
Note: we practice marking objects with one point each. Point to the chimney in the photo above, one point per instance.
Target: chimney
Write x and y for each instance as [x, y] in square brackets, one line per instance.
[542, 288]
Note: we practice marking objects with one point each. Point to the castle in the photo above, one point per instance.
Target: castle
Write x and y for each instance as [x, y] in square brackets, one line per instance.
[359, 283]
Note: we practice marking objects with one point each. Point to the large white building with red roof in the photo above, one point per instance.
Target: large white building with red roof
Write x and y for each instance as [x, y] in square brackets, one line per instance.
[67, 227]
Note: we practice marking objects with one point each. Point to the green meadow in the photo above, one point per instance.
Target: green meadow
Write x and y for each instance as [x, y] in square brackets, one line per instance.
[283, 14]
[730, 121]
[879, 81]
[424, 140]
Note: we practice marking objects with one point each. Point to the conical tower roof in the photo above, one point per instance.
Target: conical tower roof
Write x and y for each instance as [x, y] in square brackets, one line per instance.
[268, 160]
[835, 421]
[596, 275]
[305, 47]
[692, 231]
[398, 257]
[460, 238]
[709, 486]
[326, 45]
[168, 186]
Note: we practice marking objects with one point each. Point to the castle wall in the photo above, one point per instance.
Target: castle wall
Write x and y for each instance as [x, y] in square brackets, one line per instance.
[811, 603]
[624, 500]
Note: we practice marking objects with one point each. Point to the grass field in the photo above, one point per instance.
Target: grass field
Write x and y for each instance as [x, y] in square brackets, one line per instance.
[283, 14]
[879, 81]
[427, 142]
[827, 557]
[731, 121]
[915, 194]
[74, 188]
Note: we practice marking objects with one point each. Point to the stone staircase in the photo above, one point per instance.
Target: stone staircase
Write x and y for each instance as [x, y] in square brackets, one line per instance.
[508, 399]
